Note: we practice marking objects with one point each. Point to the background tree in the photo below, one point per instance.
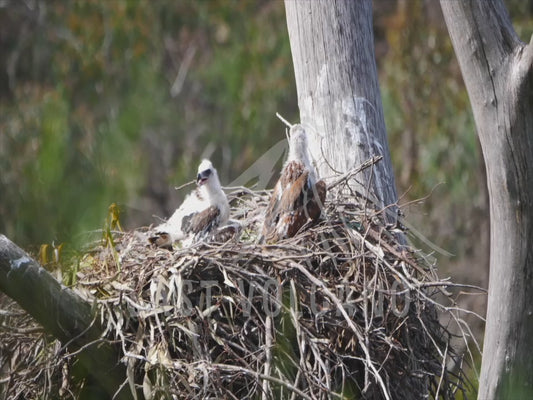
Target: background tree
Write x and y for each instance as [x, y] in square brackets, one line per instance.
[498, 71]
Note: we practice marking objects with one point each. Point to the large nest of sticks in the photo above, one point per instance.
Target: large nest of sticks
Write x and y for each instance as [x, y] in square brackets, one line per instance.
[341, 310]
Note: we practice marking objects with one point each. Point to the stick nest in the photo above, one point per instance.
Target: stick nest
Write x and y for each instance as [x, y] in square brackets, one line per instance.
[341, 310]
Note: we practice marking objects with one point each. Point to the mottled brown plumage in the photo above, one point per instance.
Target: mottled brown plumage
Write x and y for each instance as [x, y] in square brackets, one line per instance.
[201, 222]
[297, 199]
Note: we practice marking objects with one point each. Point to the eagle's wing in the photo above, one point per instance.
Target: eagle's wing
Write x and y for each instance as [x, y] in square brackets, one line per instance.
[192, 204]
[294, 195]
[279, 200]
[299, 203]
[201, 223]
[292, 207]
[306, 209]
[282, 218]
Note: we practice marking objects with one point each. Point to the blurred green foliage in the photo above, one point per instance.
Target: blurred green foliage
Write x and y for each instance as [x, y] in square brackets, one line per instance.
[116, 101]
[431, 127]
[89, 117]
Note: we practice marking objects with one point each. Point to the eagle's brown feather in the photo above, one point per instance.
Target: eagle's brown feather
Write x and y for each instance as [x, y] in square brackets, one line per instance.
[294, 202]
[203, 222]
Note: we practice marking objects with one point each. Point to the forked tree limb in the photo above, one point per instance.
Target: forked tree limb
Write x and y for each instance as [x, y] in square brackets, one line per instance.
[62, 313]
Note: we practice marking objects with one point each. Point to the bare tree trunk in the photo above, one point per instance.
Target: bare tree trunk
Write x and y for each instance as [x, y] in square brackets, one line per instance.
[340, 105]
[62, 313]
[497, 69]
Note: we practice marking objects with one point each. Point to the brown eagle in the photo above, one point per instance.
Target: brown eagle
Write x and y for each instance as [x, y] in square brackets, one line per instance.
[298, 197]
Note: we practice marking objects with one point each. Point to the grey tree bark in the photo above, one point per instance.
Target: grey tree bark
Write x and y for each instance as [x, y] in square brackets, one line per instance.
[498, 73]
[62, 313]
[340, 104]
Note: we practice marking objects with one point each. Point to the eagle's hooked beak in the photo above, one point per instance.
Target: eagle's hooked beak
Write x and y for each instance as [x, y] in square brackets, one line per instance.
[202, 177]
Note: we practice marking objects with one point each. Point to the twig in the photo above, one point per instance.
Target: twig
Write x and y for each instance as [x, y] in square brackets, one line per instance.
[343, 178]
[185, 185]
[284, 120]
[268, 356]
[262, 376]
